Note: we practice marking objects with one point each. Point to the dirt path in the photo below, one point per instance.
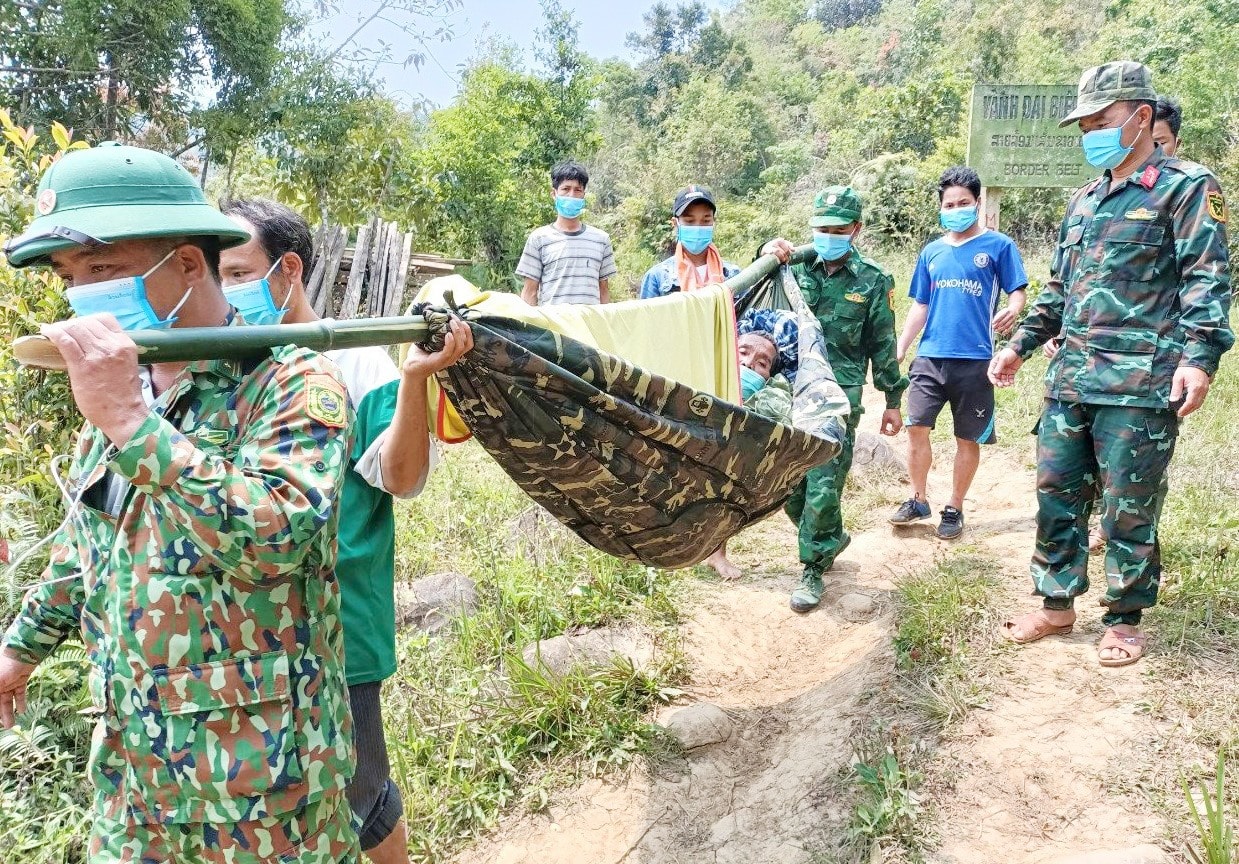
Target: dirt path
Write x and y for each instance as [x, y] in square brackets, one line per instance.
[1022, 780]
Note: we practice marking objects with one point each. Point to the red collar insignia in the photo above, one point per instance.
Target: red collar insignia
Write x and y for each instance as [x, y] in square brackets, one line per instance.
[1149, 177]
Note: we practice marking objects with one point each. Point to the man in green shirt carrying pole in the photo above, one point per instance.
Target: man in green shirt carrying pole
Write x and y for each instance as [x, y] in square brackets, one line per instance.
[852, 298]
[391, 456]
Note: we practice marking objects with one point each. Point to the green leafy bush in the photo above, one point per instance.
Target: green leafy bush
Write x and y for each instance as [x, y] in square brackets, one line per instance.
[37, 415]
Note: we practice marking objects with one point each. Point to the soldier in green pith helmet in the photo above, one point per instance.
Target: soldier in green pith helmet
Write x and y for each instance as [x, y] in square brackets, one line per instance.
[197, 561]
[1140, 292]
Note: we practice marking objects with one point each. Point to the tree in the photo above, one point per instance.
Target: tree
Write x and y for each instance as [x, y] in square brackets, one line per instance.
[667, 30]
[840, 14]
[110, 67]
[488, 155]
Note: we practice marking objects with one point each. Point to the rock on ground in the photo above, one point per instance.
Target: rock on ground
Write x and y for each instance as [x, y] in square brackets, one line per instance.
[874, 455]
[540, 537]
[857, 607]
[431, 602]
[592, 648]
[700, 725]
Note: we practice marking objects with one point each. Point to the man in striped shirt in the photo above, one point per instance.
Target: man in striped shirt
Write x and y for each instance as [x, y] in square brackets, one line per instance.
[567, 261]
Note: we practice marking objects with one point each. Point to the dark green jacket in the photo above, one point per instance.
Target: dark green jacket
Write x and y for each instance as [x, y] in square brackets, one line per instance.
[854, 307]
[1139, 286]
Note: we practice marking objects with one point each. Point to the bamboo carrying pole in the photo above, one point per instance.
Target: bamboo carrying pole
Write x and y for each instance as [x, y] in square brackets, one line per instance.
[181, 344]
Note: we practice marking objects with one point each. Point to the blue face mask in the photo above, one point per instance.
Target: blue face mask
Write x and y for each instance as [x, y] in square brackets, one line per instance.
[569, 207]
[1103, 148]
[254, 301]
[831, 247]
[125, 299]
[958, 219]
[695, 238]
[750, 382]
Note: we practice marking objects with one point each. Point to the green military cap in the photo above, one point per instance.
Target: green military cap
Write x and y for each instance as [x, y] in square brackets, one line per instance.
[835, 205]
[115, 192]
[1102, 86]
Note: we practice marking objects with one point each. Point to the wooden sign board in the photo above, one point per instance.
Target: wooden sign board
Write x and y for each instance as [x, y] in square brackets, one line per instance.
[1014, 139]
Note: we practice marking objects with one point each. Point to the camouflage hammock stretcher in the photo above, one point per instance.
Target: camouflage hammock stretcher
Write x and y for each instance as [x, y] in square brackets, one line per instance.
[637, 465]
[640, 466]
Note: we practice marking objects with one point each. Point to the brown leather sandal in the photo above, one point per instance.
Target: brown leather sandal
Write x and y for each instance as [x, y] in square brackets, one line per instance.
[1129, 639]
[1036, 626]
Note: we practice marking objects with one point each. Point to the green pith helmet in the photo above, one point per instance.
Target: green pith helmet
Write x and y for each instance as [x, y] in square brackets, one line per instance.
[835, 206]
[1102, 86]
[115, 192]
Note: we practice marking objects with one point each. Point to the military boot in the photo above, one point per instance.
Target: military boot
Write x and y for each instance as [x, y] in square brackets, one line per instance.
[809, 594]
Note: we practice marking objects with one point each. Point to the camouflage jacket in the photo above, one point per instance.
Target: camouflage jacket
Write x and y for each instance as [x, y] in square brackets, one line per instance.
[1139, 285]
[209, 605]
[854, 307]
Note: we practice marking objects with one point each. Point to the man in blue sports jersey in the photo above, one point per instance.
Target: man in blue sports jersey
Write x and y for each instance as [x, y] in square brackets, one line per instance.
[955, 291]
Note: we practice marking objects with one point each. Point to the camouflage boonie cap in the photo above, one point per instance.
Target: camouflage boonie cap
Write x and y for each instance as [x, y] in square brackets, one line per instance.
[835, 206]
[1102, 86]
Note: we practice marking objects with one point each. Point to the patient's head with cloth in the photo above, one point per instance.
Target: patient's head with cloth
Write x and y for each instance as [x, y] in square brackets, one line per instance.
[759, 358]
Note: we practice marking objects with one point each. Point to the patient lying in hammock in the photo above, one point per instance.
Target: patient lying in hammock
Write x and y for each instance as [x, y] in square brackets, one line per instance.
[764, 389]
[766, 392]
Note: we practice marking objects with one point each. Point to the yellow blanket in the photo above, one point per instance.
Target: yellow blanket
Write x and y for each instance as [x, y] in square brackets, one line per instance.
[686, 337]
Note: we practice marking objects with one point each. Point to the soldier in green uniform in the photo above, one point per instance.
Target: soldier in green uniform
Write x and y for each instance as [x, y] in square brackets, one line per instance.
[852, 297]
[197, 559]
[1140, 291]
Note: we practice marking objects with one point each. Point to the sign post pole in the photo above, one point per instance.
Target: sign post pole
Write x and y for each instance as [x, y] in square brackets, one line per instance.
[991, 206]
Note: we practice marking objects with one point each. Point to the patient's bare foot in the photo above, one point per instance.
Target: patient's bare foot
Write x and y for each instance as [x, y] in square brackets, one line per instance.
[723, 567]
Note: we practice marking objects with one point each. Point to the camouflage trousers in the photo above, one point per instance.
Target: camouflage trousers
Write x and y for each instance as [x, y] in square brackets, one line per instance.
[816, 505]
[320, 833]
[1121, 453]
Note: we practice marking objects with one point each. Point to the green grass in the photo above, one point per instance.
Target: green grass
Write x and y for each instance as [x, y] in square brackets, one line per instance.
[472, 728]
[43, 785]
[943, 627]
[1213, 819]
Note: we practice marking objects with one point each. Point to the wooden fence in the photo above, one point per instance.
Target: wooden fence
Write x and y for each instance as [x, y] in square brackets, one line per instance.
[376, 277]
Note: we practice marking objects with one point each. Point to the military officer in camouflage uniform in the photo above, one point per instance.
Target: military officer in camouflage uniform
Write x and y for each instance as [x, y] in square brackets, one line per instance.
[197, 561]
[1140, 290]
[852, 297]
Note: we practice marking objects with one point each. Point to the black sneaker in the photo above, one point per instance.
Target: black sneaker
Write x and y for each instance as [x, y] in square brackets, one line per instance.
[952, 524]
[911, 511]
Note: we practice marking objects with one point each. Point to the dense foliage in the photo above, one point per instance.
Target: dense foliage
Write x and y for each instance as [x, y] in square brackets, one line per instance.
[765, 103]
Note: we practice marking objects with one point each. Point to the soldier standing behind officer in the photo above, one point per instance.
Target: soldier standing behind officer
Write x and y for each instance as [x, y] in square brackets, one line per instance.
[197, 561]
[392, 457]
[852, 298]
[1140, 290]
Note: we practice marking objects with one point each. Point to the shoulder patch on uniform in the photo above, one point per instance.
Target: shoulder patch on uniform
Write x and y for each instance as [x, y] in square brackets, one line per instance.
[890, 299]
[1217, 207]
[1187, 167]
[325, 401]
[854, 297]
[869, 262]
[1142, 214]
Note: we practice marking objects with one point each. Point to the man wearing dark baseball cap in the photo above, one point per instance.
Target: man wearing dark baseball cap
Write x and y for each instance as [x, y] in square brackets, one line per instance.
[696, 262]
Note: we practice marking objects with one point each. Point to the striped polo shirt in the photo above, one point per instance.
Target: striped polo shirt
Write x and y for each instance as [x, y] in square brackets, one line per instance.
[567, 266]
